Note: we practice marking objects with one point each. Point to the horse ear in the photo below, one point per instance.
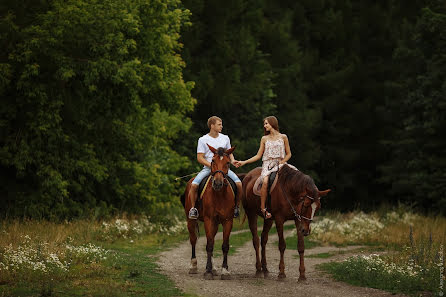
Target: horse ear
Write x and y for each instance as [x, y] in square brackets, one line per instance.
[323, 193]
[212, 149]
[229, 151]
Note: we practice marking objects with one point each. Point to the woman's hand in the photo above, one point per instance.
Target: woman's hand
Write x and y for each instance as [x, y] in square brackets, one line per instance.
[239, 163]
[282, 162]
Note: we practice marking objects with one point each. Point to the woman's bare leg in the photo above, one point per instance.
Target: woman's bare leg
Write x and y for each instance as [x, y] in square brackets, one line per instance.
[263, 194]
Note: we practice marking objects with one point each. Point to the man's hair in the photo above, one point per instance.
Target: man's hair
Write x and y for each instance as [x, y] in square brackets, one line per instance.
[212, 120]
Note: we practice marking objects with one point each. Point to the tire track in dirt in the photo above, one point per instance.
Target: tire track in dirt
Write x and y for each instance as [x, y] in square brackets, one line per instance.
[175, 264]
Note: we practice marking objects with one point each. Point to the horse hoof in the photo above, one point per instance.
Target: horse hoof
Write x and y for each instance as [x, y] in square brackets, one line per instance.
[225, 274]
[208, 276]
[193, 266]
[281, 276]
[265, 274]
[259, 274]
[214, 272]
[302, 279]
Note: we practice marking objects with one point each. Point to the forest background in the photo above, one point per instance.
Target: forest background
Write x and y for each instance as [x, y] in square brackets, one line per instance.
[102, 102]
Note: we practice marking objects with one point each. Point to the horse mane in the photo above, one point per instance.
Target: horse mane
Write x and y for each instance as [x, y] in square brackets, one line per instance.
[295, 181]
[221, 151]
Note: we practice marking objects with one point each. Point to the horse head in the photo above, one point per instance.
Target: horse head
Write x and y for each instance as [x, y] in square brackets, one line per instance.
[302, 195]
[308, 205]
[220, 166]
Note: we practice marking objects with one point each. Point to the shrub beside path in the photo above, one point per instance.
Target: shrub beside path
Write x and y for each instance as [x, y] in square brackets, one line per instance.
[175, 264]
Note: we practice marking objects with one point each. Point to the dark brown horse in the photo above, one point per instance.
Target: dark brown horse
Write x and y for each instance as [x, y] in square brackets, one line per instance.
[217, 207]
[295, 197]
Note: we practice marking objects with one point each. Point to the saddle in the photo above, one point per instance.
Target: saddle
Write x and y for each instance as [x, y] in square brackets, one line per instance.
[272, 181]
[206, 180]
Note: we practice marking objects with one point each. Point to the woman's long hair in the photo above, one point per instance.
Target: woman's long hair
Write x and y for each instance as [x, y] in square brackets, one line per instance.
[272, 120]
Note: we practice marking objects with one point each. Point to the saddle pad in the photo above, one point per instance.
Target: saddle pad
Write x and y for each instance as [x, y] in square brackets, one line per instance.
[272, 181]
[204, 183]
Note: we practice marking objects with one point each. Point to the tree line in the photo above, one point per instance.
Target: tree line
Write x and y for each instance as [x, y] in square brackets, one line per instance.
[103, 101]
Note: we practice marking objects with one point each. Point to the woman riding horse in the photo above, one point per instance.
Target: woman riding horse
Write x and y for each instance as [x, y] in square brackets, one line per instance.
[275, 151]
[295, 197]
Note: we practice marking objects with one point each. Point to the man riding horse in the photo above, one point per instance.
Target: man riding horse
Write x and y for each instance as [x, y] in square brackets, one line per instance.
[204, 156]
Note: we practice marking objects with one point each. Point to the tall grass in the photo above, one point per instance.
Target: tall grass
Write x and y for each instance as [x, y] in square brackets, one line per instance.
[388, 229]
[34, 252]
[413, 243]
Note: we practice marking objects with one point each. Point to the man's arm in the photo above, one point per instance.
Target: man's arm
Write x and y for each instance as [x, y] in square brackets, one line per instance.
[202, 160]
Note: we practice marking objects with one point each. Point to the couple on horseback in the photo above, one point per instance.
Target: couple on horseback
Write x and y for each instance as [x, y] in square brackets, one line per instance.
[274, 151]
[294, 196]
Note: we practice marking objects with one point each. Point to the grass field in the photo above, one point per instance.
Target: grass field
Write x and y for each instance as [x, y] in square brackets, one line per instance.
[118, 257]
[85, 258]
[411, 260]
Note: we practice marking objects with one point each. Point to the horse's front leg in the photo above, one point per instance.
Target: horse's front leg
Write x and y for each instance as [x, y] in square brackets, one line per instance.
[300, 249]
[192, 228]
[266, 227]
[282, 247]
[211, 229]
[227, 227]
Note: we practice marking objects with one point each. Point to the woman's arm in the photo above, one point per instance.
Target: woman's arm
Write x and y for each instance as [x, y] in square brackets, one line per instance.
[287, 150]
[259, 154]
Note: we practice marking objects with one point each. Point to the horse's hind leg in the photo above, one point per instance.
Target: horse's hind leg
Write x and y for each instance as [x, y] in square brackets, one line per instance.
[227, 227]
[266, 227]
[192, 227]
[252, 220]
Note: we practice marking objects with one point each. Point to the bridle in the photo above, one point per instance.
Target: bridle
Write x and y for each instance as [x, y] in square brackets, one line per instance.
[301, 200]
[225, 175]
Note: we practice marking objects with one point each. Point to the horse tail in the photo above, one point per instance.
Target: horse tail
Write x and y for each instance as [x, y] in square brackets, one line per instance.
[183, 199]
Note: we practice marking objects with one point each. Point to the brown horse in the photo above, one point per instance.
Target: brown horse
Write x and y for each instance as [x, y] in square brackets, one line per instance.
[295, 197]
[217, 207]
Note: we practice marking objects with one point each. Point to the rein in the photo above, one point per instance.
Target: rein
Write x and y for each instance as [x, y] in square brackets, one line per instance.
[225, 175]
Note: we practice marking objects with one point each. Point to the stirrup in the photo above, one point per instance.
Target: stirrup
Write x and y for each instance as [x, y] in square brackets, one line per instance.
[266, 214]
[236, 212]
[193, 213]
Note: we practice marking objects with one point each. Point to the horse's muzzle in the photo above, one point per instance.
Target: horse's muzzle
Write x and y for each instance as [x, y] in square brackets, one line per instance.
[217, 184]
[305, 232]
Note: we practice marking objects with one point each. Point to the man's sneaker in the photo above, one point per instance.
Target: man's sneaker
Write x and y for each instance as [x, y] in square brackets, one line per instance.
[193, 213]
[236, 212]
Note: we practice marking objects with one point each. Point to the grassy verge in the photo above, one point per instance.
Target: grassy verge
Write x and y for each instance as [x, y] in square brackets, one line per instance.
[85, 258]
[413, 261]
[373, 271]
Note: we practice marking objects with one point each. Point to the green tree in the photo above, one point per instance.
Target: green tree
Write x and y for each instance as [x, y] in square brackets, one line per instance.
[416, 169]
[233, 76]
[299, 119]
[92, 96]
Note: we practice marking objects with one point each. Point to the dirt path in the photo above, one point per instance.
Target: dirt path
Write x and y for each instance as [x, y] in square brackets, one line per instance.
[175, 264]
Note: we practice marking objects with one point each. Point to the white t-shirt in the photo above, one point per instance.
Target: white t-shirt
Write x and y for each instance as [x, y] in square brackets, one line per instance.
[221, 141]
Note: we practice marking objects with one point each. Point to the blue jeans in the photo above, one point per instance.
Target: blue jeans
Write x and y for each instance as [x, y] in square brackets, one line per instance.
[206, 171]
